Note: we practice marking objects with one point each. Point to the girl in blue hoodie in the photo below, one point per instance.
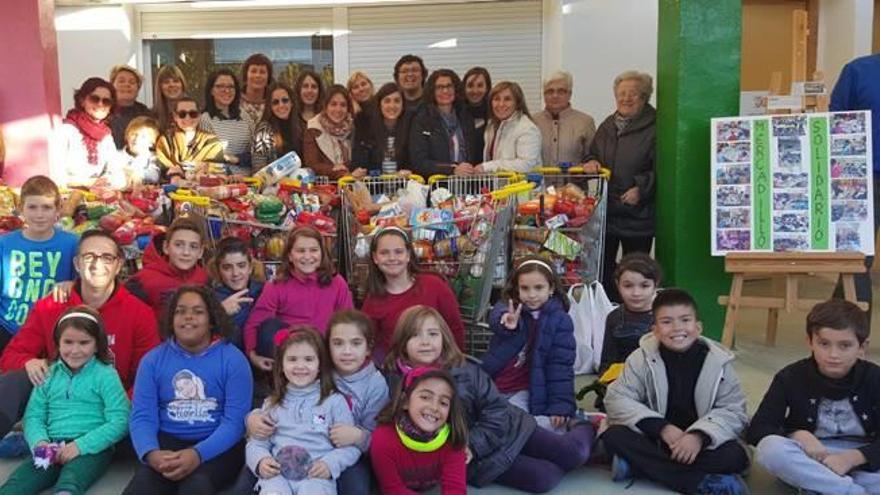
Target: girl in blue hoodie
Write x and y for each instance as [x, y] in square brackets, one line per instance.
[531, 354]
[235, 283]
[300, 456]
[191, 394]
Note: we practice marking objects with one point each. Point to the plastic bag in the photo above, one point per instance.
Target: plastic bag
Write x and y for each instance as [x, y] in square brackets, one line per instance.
[588, 315]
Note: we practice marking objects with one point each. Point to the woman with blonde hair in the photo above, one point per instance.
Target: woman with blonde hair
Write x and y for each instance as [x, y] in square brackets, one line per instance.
[513, 141]
[361, 89]
[170, 85]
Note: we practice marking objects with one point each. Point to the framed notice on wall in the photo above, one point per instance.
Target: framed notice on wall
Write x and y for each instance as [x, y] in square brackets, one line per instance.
[792, 183]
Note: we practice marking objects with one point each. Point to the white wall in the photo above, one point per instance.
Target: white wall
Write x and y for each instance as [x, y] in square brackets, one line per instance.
[601, 39]
[845, 30]
[91, 40]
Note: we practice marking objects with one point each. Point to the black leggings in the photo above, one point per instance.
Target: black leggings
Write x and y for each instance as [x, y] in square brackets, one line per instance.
[209, 478]
[15, 389]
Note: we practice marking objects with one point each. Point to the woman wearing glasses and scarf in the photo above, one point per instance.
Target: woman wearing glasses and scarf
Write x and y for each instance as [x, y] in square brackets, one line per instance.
[85, 151]
[184, 150]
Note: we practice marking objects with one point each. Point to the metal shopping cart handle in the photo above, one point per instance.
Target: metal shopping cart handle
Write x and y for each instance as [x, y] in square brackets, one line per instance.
[348, 179]
[604, 172]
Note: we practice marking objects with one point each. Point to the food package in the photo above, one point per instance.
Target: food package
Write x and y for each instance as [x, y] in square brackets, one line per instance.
[562, 245]
[414, 195]
[454, 247]
[557, 221]
[362, 246]
[284, 166]
[534, 235]
[440, 196]
[424, 250]
[572, 192]
[431, 218]
[359, 197]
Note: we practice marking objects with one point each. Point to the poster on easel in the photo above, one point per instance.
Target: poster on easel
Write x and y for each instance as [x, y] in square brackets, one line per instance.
[799, 182]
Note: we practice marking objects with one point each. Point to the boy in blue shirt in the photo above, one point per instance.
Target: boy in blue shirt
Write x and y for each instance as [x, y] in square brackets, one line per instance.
[35, 258]
[817, 426]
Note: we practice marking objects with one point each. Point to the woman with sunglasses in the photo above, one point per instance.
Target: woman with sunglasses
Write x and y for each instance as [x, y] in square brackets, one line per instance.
[184, 150]
[223, 118]
[275, 134]
[85, 148]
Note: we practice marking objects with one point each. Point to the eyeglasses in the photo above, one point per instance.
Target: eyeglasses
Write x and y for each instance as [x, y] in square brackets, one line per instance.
[105, 258]
[281, 101]
[182, 114]
[555, 91]
[445, 87]
[97, 100]
[413, 70]
[224, 87]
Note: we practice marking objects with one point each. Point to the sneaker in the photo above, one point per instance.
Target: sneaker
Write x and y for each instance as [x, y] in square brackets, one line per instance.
[13, 445]
[620, 469]
[723, 484]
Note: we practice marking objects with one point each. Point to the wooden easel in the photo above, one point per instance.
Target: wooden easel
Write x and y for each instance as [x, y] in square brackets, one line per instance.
[790, 267]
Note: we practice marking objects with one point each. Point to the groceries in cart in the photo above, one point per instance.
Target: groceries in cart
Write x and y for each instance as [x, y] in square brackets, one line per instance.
[564, 221]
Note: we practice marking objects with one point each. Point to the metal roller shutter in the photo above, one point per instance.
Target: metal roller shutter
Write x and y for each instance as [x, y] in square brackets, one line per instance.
[199, 23]
[504, 37]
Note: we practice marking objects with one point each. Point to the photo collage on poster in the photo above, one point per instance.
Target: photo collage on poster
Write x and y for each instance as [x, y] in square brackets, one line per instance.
[790, 199]
[850, 198]
[733, 185]
[787, 166]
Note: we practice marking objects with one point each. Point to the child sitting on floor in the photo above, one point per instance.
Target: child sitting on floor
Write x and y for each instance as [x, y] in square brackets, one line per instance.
[677, 409]
[816, 428]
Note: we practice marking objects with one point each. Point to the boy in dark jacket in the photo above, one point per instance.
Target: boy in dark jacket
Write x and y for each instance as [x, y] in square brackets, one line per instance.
[816, 428]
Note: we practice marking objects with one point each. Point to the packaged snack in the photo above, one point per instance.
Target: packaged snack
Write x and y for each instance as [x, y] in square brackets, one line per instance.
[562, 245]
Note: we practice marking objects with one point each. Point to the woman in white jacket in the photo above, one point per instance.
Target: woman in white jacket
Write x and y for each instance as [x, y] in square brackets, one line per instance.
[513, 141]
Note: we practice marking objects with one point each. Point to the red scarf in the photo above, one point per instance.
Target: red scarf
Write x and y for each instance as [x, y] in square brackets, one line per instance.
[92, 132]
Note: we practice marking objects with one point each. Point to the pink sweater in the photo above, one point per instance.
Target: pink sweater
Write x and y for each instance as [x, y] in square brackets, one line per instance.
[297, 301]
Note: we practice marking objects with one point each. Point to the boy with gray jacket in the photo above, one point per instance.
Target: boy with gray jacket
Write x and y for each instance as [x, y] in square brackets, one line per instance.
[677, 410]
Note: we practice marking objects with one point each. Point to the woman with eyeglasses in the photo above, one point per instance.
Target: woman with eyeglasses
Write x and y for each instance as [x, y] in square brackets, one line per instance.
[275, 133]
[85, 148]
[222, 117]
[170, 85]
[185, 151]
[442, 138]
[327, 141]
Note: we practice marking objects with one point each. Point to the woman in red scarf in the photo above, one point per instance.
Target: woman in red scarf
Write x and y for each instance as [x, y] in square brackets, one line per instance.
[85, 148]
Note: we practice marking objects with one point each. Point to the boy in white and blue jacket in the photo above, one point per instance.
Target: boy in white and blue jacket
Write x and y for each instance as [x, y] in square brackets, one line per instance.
[302, 419]
[366, 392]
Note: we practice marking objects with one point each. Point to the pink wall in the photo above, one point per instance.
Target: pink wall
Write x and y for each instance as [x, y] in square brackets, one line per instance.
[30, 102]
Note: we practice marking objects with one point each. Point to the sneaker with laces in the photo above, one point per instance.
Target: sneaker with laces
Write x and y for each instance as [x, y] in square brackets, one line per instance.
[13, 445]
[620, 469]
[723, 484]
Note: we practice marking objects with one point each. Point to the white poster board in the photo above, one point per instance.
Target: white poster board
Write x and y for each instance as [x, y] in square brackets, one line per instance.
[792, 183]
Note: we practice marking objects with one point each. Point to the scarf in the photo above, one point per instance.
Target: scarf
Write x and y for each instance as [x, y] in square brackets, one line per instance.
[457, 147]
[339, 133]
[92, 132]
[834, 388]
[414, 438]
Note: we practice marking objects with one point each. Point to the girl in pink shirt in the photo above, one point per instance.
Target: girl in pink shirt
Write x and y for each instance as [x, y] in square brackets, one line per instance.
[306, 290]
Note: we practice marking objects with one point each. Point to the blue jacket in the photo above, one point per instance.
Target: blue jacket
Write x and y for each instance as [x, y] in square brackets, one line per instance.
[857, 89]
[240, 318]
[200, 398]
[551, 377]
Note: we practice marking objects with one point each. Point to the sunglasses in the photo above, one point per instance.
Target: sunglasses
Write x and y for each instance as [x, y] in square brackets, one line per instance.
[182, 114]
[282, 100]
[97, 100]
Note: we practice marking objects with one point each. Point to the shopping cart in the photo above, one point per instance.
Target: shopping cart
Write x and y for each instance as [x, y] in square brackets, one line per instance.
[563, 218]
[353, 235]
[300, 206]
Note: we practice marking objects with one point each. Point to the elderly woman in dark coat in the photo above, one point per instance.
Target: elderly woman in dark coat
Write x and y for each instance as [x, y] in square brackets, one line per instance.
[624, 143]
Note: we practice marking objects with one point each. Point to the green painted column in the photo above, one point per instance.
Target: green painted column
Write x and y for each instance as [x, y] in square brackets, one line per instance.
[698, 67]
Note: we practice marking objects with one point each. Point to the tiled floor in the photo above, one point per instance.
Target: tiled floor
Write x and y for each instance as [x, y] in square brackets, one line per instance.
[756, 364]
